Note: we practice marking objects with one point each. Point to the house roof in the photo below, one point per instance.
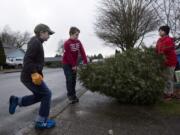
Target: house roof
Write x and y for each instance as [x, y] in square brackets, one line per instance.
[13, 52]
[53, 59]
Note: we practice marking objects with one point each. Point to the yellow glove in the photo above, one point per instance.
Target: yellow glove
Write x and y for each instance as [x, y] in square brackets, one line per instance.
[36, 78]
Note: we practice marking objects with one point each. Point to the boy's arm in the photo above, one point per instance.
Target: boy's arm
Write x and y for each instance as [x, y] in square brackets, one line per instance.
[83, 54]
[157, 49]
[30, 57]
[69, 55]
[167, 46]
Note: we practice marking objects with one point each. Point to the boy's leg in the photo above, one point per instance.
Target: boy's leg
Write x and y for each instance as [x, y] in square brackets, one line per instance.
[169, 88]
[30, 99]
[74, 76]
[69, 80]
[26, 100]
[70, 83]
[75, 98]
[45, 100]
[41, 94]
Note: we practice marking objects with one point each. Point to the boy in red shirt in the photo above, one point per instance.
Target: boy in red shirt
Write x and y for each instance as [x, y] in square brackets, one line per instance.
[72, 48]
[165, 46]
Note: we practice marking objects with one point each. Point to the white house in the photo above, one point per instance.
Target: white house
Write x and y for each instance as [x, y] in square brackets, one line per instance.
[14, 56]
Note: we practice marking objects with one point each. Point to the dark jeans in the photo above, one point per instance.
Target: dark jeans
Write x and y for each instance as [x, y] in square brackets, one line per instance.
[41, 94]
[70, 80]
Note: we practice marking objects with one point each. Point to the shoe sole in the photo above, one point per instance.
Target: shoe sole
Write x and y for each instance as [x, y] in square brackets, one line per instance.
[10, 104]
[44, 128]
[73, 102]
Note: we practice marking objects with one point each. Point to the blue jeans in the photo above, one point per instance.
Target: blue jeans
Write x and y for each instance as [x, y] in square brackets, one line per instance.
[70, 80]
[41, 94]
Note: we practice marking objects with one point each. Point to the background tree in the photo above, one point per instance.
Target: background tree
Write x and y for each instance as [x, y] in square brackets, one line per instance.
[100, 56]
[94, 57]
[124, 22]
[2, 55]
[14, 39]
[117, 52]
[22, 39]
[60, 48]
[168, 11]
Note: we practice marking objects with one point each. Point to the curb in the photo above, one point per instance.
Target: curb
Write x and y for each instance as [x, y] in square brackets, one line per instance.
[19, 70]
[10, 71]
[55, 111]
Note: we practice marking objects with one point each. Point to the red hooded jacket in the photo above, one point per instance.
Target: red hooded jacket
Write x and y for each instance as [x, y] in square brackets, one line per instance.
[165, 45]
[72, 48]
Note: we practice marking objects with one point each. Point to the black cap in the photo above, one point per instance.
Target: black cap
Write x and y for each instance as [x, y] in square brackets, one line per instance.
[165, 28]
[42, 27]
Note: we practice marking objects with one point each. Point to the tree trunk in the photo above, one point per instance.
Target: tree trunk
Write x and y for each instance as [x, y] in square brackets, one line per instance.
[1, 68]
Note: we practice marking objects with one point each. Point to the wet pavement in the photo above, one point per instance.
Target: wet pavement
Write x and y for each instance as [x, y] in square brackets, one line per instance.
[100, 115]
[10, 85]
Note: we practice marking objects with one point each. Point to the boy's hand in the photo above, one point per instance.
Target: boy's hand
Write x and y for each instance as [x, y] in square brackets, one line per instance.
[84, 65]
[36, 78]
[74, 68]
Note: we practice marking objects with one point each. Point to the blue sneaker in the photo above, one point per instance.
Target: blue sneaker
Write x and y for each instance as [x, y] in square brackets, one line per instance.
[13, 103]
[45, 125]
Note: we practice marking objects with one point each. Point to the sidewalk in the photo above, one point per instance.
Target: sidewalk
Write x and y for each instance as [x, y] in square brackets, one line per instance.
[96, 115]
[10, 71]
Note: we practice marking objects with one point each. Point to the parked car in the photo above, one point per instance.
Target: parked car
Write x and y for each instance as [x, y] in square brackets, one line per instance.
[97, 60]
[15, 62]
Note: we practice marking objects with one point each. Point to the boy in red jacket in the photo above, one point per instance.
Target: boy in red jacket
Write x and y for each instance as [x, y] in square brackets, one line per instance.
[72, 48]
[165, 46]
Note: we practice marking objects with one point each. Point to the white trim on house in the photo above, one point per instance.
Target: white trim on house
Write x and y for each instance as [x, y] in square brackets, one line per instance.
[14, 56]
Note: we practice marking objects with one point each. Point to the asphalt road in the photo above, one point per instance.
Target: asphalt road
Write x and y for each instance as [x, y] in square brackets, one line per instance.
[10, 85]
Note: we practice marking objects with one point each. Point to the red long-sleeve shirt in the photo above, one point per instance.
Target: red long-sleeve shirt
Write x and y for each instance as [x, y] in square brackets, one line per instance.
[166, 46]
[72, 48]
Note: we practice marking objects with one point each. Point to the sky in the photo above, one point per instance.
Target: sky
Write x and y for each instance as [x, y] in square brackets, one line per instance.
[59, 15]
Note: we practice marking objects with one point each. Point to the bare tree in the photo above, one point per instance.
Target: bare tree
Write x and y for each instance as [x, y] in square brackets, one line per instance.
[168, 12]
[124, 22]
[16, 39]
[22, 39]
[60, 48]
[7, 37]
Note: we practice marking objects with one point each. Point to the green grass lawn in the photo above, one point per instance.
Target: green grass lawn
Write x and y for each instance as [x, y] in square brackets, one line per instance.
[168, 107]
